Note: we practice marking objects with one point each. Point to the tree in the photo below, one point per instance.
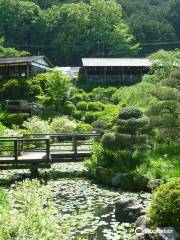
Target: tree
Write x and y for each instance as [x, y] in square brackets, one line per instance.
[55, 91]
[94, 29]
[10, 52]
[18, 21]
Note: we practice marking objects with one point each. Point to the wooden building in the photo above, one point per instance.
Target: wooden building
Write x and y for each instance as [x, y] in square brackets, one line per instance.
[23, 67]
[114, 71]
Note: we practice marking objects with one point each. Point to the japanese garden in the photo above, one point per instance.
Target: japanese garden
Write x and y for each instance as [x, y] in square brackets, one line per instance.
[89, 119]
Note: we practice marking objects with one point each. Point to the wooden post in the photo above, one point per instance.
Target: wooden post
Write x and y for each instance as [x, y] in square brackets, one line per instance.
[34, 171]
[74, 142]
[16, 149]
[47, 148]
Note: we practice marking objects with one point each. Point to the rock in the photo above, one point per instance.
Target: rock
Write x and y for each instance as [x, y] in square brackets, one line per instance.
[141, 222]
[154, 183]
[101, 174]
[167, 233]
[117, 178]
[127, 210]
[17, 177]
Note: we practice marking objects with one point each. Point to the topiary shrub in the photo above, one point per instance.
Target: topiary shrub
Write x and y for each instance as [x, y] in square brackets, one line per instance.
[78, 115]
[83, 127]
[95, 106]
[69, 108]
[91, 116]
[83, 106]
[165, 206]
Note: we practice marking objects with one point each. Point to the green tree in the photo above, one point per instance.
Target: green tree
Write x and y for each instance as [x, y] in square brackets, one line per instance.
[10, 52]
[55, 91]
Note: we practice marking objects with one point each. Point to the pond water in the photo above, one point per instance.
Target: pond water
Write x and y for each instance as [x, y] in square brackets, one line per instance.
[95, 204]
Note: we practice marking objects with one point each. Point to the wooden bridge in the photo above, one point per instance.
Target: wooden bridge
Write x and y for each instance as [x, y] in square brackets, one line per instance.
[33, 151]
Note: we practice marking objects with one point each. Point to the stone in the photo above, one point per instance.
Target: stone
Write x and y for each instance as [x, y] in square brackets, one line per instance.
[154, 183]
[101, 174]
[167, 233]
[127, 210]
[141, 222]
[116, 179]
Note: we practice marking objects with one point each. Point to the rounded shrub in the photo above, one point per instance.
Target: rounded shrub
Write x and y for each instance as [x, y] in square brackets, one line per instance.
[95, 106]
[130, 112]
[69, 108]
[165, 206]
[83, 106]
[116, 141]
[78, 115]
[83, 127]
[91, 116]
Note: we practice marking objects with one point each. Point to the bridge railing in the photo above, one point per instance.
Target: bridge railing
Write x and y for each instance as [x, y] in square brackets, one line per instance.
[68, 142]
[14, 147]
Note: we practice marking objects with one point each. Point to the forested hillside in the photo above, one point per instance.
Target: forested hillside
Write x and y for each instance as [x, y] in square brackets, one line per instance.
[67, 30]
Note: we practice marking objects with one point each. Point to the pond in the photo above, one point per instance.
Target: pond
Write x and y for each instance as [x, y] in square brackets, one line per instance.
[86, 208]
[95, 204]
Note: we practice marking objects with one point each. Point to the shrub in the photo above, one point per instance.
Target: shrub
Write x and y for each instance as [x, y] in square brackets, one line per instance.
[78, 115]
[95, 106]
[92, 116]
[165, 206]
[100, 126]
[83, 106]
[83, 127]
[36, 125]
[69, 108]
[2, 129]
[11, 119]
[62, 124]
[130, 112]
[115, 141]
[130, 120]
[122, 160]
[79, 97]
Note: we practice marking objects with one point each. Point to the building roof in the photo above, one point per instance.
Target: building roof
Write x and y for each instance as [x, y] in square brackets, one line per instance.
[116, 62]
[23, 60]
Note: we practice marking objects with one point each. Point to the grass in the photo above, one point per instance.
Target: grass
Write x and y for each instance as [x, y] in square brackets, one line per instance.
[27, 212]
[163, 167]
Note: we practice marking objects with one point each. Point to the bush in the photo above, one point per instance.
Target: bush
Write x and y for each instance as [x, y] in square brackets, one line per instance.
[83, 106]
[122, 160]
[69, 108]
[78, 115]
[95, 106]
[130, 112]
[79, 97]
[11, 119]
[115, 141]
[62, 124]
[100, 126]
[92, 116]
[165, 206]
[83, 127]
[2, 129]
[36, 125]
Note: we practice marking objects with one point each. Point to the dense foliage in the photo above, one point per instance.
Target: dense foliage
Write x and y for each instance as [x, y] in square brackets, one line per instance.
[165, 210]
[67, 30]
